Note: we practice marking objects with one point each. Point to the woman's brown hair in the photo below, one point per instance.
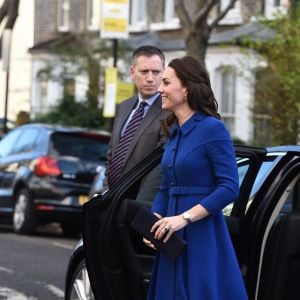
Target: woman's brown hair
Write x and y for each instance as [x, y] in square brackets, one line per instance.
[194, 76]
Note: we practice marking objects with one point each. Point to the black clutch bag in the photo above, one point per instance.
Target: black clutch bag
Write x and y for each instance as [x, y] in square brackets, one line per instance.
[142, 223]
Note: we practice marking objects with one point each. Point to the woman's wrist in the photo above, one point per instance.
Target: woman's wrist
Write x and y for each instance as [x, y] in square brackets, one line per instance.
[187, 217]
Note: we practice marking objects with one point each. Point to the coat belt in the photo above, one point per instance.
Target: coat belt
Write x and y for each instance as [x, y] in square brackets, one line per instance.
[190, 190]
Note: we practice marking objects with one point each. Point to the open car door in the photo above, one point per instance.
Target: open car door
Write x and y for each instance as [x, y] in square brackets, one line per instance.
[118, 262]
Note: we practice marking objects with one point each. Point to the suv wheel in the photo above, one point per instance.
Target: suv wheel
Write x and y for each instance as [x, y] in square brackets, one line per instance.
[24, 221]
[80, 287]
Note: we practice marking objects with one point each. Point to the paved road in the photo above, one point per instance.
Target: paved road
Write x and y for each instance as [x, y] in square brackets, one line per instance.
[33, 267]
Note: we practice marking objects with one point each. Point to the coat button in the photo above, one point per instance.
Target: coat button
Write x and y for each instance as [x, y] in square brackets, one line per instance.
[170, 166]
[172, 183]
[173, 148]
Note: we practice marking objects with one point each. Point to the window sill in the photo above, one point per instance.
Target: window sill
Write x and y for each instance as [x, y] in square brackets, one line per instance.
[165, 25]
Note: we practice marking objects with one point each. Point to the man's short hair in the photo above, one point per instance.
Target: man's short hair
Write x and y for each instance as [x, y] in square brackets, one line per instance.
[148, 50]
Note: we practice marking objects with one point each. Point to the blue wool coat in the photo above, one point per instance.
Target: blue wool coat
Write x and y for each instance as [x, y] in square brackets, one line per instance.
[199, 166]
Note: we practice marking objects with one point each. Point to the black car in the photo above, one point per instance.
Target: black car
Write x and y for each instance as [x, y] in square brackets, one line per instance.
[264, 224]
[45, 175]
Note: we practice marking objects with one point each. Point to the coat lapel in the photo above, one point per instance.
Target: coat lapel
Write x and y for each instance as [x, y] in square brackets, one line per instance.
[121, 119]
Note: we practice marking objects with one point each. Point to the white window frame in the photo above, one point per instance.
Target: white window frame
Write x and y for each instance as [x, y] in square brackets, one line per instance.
[171, 21]
[138, 15]
[271, 9]
[234, 15]
[63, 15]
[93, 15]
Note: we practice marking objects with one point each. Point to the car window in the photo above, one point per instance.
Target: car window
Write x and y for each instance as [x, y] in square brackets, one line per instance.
[292, 202]
[243, 167]
[264, 170]
[85, 147]
[26, 141]
[7, 143]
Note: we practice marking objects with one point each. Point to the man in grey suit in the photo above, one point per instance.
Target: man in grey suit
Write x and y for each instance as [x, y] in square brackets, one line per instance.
[146, 71]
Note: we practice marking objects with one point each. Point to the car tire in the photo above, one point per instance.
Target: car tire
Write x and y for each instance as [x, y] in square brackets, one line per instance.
[24, 221]
[70, 230]
[80, 287]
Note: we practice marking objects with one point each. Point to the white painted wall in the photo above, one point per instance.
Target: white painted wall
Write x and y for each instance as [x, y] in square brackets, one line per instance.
[20, 63]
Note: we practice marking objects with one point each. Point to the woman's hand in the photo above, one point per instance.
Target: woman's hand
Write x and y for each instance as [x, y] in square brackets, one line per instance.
[165, 227]
[148, 243]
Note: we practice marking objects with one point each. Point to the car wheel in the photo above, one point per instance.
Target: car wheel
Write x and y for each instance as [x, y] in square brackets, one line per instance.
[24, 221]
[70, 229]
[80, 287]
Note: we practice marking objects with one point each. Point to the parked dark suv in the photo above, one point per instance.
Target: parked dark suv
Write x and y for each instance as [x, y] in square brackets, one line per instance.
[264, 224]
[45, 175]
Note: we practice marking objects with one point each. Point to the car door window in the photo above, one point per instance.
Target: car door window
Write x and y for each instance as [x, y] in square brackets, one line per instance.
[243, 167]
[292, 202]
[26, 141]
[8, 142]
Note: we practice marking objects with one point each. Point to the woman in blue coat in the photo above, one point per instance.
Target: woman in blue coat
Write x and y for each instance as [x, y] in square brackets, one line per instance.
[200, 179]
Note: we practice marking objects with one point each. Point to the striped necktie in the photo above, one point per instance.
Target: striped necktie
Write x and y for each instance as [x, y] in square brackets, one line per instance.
[119, 155]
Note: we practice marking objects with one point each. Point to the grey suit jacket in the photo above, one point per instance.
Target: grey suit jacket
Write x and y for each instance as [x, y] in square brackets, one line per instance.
[147, 137]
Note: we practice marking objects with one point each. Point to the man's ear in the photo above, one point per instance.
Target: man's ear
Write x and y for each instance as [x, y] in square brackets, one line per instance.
[132, 70]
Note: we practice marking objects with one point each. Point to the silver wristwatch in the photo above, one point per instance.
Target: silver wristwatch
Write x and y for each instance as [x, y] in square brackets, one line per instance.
[187, 217]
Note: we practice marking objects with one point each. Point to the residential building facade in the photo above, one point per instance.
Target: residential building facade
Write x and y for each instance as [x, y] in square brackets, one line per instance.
[151, 22]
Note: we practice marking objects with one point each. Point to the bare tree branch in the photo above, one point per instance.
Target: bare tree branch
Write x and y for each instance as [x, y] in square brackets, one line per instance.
[222, 14]
[203, 13]
[182, 14]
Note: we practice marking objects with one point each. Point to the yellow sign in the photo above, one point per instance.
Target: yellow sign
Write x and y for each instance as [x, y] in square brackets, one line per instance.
[115, 25]
[124, 90]
[115, 15]
[111, 79]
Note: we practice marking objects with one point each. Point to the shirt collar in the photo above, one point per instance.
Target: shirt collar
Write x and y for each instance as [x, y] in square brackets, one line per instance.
[150, 100]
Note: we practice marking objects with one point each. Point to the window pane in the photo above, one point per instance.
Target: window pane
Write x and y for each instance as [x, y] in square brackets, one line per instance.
[69, 87]
[169, 10]
[229, 123]
[63, 14]
[277, 2]
[137, 12]
[82, 146]
[42, 86]
[93, 14]
[228, 92]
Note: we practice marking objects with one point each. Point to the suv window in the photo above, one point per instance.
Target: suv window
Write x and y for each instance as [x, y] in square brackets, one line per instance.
[8, 142]
[83, 146]
[26, 141]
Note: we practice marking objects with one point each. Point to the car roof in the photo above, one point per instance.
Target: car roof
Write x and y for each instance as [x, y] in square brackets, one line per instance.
[284, 148]
[64, 128]
[271, 149]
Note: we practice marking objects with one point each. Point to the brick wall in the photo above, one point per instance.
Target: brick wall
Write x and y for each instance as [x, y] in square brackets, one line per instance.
[45, 20]
[46, 12]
